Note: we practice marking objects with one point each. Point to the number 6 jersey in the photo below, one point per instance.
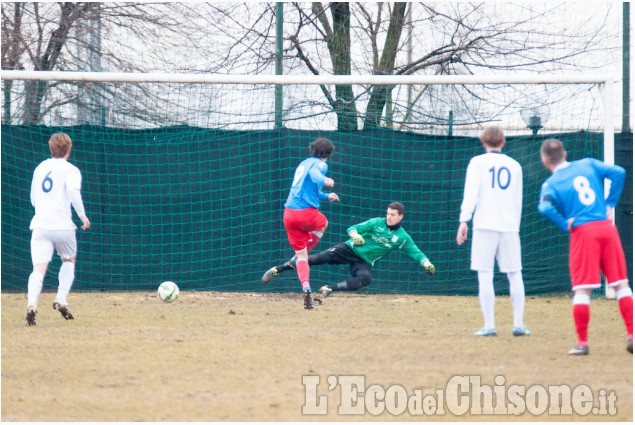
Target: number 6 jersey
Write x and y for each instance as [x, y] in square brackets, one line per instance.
[56, 185]
[576, 189]
[493, 193]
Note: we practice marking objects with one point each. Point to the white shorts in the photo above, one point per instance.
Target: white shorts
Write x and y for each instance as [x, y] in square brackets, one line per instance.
[490, 244]
[44, 241]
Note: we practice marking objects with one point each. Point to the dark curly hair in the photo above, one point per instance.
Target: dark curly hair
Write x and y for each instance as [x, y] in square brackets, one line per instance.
[397, 206]
[321, 148]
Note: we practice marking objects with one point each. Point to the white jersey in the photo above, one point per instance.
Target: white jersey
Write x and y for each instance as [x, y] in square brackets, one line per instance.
[493, 194]
[56, 185]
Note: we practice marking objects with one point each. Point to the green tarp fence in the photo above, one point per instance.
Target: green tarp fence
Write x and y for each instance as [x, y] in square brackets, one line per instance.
[203, 207]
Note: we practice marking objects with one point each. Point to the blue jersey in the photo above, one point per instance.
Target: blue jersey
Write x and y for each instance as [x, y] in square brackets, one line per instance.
[306, 189]
[576, 189]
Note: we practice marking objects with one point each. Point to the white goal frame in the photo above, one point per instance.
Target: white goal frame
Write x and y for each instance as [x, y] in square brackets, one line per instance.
[605, 81]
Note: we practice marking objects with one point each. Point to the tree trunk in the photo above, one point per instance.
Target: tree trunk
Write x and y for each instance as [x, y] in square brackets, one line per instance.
[380, 93]
[340, 49]
[6, 118]
[35, 90]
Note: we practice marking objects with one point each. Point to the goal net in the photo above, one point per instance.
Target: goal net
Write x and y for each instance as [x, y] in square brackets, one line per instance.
[185, 176]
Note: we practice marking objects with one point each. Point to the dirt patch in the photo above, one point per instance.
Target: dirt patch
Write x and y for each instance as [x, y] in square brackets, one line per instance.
[213, 356]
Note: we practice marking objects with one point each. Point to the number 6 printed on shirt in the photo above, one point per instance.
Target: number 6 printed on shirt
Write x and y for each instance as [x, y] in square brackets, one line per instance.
[47, 183]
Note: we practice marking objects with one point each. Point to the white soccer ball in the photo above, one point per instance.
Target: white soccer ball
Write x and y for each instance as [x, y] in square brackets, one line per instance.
[168, 291]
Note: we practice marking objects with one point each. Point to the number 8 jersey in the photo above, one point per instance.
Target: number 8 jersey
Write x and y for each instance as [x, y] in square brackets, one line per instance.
[576, 189]
[56, 185]
[493, 193]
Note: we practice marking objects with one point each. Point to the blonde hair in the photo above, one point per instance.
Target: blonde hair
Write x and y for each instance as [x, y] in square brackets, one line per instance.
[60, 144]
[493, 137]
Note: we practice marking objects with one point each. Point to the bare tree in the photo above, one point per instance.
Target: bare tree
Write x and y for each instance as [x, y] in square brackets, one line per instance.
[12, 50]
[448, 38]
[136, 36]
[320, 38]
[46, 53]
[385, 64]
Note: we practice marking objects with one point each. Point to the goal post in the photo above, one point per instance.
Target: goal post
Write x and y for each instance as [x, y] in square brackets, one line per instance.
[186, 175]
[305, 79]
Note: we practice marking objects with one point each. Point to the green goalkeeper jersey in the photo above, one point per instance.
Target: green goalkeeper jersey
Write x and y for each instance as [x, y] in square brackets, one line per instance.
[380, 240]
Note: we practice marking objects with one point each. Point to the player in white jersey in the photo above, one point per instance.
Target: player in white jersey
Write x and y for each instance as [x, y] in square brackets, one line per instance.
[55, 187]
[492, 199]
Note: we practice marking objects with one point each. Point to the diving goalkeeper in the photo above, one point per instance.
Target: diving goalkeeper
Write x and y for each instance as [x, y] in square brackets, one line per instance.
[369, 241]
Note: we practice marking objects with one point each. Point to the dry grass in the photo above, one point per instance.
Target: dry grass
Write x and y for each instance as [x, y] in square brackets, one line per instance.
[241, 357]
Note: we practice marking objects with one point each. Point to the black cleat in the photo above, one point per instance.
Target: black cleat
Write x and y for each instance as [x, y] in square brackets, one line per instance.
[308, 300]
[629, 347]
[30, 316]
[64, 311]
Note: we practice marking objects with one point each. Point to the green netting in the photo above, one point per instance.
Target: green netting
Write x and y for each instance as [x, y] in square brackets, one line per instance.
[203, 207]
[186, 182]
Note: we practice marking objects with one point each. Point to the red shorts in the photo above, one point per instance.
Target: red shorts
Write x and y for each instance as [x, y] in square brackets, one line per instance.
[299, 225]
[596, 245]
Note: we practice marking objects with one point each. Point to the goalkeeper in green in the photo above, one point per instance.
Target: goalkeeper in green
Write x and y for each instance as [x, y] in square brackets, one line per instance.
[369, 241]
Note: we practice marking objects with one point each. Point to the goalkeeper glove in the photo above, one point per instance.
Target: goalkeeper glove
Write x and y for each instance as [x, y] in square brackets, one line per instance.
[358, 239]
[429, 266]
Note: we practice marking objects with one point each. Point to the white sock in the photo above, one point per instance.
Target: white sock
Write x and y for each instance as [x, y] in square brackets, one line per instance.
[517, 294]
[486, 297]
[66, 277]
[34, 288]
[624, 292]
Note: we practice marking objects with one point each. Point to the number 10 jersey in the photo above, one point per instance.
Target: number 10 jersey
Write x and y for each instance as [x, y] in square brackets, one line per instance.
[493, 193]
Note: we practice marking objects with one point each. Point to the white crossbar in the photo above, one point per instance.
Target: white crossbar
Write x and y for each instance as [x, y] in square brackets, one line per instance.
[305, 79]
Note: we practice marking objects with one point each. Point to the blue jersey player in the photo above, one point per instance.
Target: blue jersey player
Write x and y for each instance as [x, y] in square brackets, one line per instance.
[573, 198]
[303, 221]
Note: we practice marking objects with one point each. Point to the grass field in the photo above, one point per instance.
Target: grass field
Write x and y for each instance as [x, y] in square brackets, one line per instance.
[241, 357]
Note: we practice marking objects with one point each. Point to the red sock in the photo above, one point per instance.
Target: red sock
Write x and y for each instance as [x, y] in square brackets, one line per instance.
[315, 239]
[302, 267]
[626, 308]
[581, 317]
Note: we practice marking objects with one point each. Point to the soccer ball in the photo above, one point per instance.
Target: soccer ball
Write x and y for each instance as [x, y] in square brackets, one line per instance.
[168, 291]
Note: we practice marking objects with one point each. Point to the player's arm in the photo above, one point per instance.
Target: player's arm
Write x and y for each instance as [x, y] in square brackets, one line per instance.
[470, 193]
[356, 231]
[73, 191]
[33, 188]
[470, 197]
[548, 207]
[318, 176]
[414, 252]
[461, 234]
[364, 227]
[616, 175]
